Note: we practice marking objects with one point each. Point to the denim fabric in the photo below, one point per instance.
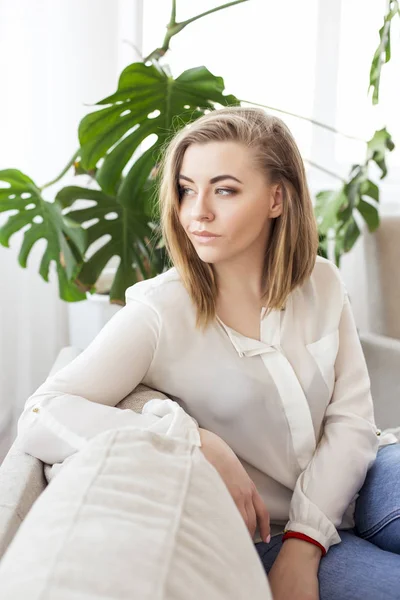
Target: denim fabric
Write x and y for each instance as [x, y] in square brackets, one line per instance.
[366, 564]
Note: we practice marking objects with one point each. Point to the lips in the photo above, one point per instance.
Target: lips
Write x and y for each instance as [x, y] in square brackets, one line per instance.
[206, 234]
[203, 238]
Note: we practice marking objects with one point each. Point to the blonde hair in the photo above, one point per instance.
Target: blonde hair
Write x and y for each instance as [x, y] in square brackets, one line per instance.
[293, 242]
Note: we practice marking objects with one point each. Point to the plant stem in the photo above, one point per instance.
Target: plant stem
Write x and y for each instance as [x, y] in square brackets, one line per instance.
[63, 172]
[170, 29]
[173, 28]
[136, 49]
[331, 173]
[212, 10]
[173, 12]
[318, 123]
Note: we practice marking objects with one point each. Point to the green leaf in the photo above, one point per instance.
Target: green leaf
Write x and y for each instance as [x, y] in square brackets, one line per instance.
[328, 205]
[109, 174]
[370, 214]
[148, 102]
[115, 133]
[339, 246]
[369, 188]
[378, 146]
[336, 210]
[323, 246]
[351, 234]
[387, 49]
[130, 238]
[42, 220]
[382, 53]
[351, 190]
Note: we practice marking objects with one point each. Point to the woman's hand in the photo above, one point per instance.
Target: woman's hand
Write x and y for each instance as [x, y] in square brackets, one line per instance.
[239, 484]
[294, 574]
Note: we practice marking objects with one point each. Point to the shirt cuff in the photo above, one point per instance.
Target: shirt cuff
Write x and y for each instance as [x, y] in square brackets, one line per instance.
[326, 538]
[300, 536]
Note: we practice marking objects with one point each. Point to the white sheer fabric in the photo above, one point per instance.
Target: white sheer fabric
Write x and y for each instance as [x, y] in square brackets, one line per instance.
[55, 60]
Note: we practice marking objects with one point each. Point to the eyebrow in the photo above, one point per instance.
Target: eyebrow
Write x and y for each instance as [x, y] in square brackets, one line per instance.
[214, 179]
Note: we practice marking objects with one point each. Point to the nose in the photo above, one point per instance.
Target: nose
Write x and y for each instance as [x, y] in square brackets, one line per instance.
[201, 208]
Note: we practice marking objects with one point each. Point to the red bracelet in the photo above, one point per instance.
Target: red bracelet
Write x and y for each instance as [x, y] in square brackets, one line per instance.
[301, 536]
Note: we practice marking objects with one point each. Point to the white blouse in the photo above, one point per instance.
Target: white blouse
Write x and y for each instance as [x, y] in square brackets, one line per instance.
[295, 406]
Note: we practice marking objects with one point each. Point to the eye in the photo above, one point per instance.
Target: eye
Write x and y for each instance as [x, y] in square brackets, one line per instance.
[225, 191]
[184, 191]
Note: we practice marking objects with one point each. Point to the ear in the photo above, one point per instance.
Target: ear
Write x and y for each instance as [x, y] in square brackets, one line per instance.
[276, 201]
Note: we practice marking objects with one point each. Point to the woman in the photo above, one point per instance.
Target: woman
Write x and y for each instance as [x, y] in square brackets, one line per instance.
[253, 335]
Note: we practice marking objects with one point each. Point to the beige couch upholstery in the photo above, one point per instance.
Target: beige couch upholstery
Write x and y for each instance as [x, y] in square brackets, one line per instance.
[371, 272]
[22, 477]
[382, 251]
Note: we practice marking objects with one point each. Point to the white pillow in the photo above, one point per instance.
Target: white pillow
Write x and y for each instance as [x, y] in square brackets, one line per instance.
[134, 515]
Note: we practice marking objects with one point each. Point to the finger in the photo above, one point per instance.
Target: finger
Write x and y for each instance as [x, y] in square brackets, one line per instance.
[251, 517]
[262, 515]
[242, 509]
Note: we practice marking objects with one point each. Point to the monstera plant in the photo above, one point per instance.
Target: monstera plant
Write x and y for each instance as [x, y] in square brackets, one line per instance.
[114, 216]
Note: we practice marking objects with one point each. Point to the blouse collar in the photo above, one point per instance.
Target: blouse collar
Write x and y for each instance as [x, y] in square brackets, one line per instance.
[270, 338]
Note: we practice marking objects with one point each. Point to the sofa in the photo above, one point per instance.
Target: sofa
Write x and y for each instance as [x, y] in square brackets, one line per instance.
[23, 477]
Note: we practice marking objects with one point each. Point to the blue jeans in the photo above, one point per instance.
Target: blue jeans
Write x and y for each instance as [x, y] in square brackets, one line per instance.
[366, 564]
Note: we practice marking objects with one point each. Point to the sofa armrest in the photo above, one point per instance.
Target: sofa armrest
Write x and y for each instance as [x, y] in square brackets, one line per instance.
[383, 360]
[22, 477]
[21, 482]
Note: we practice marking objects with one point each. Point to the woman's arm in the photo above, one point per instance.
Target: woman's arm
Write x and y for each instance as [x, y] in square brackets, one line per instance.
[347, 449]
[78, 402]
[237, 481]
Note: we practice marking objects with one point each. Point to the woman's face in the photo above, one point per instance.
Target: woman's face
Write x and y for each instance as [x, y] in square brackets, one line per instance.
[224, 194]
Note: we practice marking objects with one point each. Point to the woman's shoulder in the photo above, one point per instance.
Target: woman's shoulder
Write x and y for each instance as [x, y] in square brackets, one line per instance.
[324, 291]
[326, 276]
[319, 301]
[162, 291]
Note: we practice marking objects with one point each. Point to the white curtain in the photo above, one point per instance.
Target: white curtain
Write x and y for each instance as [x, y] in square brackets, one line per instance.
[56, 58]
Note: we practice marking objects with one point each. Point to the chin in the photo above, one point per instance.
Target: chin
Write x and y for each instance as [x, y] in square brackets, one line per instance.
[208, 256]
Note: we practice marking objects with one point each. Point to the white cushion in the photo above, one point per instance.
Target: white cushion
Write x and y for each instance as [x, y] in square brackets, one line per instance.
[135, 514]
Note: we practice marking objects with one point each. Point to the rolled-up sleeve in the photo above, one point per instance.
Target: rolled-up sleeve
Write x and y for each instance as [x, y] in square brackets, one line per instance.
[346, 450]
[79, 401]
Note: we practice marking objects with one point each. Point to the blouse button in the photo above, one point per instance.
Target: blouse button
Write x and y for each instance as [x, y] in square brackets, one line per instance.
[35, 410]
[378, 432]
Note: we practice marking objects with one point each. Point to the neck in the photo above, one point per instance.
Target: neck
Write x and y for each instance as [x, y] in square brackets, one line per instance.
[240, 278]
